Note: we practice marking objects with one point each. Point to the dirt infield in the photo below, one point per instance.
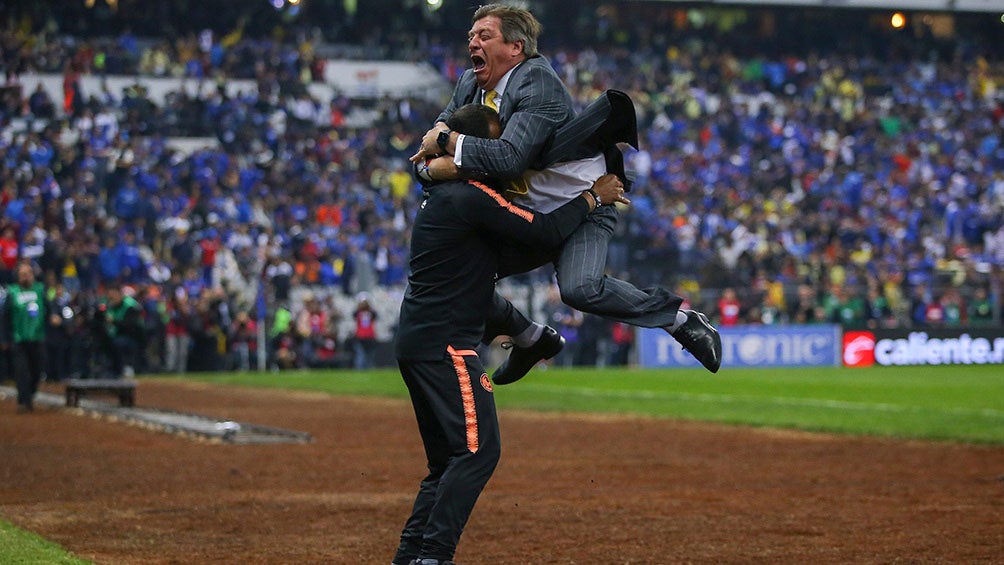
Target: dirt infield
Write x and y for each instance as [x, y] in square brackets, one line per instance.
[568, 490]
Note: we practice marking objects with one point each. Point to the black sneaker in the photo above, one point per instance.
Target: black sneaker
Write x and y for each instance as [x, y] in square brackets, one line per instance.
[522, 359]
[701, 339]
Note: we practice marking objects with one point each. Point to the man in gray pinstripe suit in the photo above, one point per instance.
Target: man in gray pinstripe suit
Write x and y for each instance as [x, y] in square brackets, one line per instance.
[538, 119]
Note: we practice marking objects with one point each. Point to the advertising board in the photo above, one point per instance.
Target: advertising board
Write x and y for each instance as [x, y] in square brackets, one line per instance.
[958, 346]
[750, 346]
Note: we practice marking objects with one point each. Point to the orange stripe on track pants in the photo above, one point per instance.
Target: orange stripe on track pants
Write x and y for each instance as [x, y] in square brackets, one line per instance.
[466, 394]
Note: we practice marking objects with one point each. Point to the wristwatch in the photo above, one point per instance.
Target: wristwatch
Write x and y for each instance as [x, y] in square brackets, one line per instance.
[443, 139]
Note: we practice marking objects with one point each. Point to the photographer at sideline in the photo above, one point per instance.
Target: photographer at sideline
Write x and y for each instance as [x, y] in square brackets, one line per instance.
[125, 327]
[58, 329]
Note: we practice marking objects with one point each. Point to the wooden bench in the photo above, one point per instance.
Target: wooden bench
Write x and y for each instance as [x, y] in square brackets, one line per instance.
[125, 389]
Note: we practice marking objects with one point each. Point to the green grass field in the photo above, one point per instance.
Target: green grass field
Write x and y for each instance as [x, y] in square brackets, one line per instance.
[18, 547]
[962, 404]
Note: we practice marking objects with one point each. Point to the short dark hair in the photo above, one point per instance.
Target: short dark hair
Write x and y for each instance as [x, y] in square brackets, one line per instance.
[475, 120]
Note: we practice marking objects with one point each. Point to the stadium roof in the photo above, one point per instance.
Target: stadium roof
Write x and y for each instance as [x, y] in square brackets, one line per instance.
[928, 5]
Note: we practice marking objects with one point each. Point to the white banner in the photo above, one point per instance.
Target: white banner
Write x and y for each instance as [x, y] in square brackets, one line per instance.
[357, 79]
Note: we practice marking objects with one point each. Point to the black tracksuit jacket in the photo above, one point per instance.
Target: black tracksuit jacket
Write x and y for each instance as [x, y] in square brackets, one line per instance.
[453, 262]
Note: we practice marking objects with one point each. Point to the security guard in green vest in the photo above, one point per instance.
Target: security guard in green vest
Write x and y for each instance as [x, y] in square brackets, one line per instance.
[25, 317]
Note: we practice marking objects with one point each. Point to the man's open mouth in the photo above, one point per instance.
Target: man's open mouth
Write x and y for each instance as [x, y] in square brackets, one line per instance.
[478, 62]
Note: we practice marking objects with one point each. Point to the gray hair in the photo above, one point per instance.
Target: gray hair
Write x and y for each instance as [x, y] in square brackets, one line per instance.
[517, 24]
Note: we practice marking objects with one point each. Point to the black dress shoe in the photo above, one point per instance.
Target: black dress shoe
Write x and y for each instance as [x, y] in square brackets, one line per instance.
[522, 359]
[701, 339]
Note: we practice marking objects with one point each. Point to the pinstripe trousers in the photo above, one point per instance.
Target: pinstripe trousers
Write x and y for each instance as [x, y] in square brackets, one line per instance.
[581, 265]
[584, 285]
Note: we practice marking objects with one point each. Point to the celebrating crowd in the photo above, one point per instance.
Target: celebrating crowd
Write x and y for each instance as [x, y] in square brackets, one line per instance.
[864, 186]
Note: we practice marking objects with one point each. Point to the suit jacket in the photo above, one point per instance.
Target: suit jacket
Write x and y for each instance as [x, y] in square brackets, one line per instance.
[607, 121]
[534, 105]
[540, 127]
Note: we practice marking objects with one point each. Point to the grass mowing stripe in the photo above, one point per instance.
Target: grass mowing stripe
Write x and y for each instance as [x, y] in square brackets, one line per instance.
[733, 398]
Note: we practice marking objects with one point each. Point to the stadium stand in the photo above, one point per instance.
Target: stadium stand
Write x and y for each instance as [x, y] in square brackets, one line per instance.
[822, 165]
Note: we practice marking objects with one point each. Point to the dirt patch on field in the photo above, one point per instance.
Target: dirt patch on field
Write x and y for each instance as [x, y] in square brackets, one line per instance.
[568, 490]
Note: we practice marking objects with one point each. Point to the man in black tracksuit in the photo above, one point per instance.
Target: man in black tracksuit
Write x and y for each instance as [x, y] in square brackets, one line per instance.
[450, 290]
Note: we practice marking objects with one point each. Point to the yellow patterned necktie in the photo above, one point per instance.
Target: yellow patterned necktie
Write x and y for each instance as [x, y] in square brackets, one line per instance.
[519, 186]
[490, 100]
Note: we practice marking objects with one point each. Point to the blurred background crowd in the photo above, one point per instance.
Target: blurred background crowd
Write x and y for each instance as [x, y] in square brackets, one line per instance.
[796, 166]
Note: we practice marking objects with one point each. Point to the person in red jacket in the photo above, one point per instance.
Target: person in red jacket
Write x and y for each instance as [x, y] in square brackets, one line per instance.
[365, 334]
[209, 245]
[8, 255]
[728, 308]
